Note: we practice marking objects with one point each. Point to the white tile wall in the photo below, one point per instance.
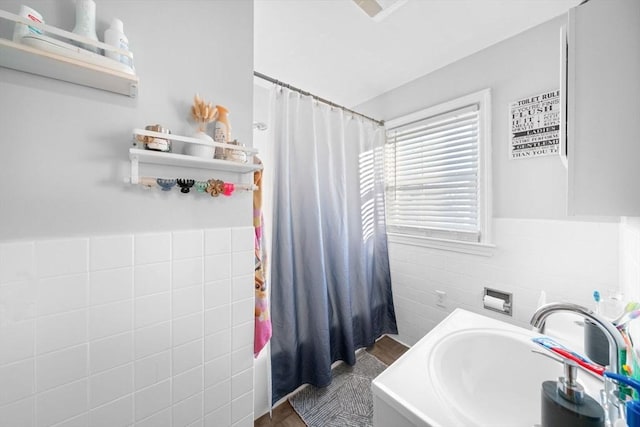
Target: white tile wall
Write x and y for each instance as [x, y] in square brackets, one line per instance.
[566, 259]
[145, 330]
[220, 416]
[22, 413]
[111, 285]
[630, 258]
[60, 294]
[110, 252]
[150, 279]
[17, 381]
[61, 331]
[152, 248]
[60, 367]
[17, 262]
[217, 241]
[630, 266]
[79, 421]
[160, 419]
[110, 319]
[20, 336]
[60, 257]
[188, 244]
[116, 413]
[152, 370]
[110, 352]
[187, 356]
[152, 340]
[61, 403]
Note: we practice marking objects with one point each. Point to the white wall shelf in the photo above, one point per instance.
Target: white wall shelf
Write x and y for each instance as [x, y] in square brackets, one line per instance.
[181, 160]
[70, 68]
[140, 155]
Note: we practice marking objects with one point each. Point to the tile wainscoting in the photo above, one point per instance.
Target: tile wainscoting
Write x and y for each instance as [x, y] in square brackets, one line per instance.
[630, 258]
[566, 259]
[140, 329]
[630, 266]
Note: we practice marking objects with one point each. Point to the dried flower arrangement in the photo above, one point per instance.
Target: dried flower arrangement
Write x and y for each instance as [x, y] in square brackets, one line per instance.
[203, 113]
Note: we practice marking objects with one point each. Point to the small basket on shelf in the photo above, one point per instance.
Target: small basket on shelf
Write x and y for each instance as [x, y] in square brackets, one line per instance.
[155, 143]
[239, 156]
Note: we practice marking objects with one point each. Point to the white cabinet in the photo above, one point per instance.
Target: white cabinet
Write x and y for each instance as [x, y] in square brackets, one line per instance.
[603, 108]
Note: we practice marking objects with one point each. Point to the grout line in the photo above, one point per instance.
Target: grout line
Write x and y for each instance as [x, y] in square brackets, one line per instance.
[87, 326]
[171, 288]
[203, 326]
[35, 347]
[133, 330]
[135, 422]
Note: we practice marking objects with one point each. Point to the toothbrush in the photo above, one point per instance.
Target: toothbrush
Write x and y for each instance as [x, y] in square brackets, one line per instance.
[589, 366]
[560, 350]
[631, 306]
[624, 379]
[596, 298]
[628, 318]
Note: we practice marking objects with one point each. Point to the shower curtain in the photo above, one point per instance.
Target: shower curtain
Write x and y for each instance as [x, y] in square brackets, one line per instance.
[331, 286]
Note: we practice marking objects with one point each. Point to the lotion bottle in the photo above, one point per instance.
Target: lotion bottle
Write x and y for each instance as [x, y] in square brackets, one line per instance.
[86, 23]
[222, 131]
[114, 36]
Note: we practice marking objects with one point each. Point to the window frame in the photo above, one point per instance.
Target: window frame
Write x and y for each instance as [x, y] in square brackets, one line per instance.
[484, 247]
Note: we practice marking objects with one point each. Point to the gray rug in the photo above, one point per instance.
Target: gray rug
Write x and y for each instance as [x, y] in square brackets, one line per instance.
[347, 401]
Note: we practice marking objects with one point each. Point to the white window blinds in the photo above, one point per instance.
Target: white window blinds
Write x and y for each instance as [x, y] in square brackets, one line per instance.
[432, 177]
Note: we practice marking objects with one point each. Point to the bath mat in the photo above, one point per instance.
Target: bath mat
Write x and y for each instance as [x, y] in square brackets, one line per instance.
[347, 401]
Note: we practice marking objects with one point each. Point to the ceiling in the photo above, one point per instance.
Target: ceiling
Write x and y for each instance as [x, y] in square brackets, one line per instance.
[332, 49]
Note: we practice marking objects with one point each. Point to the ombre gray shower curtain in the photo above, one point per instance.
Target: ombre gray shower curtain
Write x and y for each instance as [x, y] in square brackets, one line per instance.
[331, 286]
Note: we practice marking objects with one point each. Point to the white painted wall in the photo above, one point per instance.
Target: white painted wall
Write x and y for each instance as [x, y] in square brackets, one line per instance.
[537, 246]
[65, 147]
[527, 64]
[117, 304]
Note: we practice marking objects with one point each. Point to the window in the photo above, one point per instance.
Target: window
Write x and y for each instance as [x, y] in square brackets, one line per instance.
[437, 171]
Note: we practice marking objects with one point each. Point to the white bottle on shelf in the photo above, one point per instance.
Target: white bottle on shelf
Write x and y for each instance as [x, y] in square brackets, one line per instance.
[86, 23]
[114, 36]
[21, 30]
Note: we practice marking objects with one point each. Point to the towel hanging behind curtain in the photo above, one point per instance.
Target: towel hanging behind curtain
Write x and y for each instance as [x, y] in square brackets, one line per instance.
[262, 330]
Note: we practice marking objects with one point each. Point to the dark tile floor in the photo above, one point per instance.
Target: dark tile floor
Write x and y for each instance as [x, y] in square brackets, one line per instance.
[386, 349]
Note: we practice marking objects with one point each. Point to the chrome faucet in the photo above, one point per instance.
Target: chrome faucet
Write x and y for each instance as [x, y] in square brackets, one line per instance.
[616, 342]
[613, 406]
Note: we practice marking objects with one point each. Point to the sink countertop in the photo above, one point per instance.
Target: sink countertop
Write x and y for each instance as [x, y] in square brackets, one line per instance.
[407, 387]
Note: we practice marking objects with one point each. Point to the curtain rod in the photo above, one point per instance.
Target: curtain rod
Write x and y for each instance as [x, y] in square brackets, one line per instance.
[317, 98]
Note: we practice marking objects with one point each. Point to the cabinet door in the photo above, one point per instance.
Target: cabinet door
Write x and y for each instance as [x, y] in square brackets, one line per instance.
[603, 111]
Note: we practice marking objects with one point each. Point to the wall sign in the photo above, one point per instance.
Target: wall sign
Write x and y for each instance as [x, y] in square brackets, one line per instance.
[535, 125]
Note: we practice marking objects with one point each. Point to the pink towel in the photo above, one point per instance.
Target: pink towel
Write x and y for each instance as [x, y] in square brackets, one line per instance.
[262, 329]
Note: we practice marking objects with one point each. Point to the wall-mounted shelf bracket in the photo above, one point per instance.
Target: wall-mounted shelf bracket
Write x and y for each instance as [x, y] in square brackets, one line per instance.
[135, 169]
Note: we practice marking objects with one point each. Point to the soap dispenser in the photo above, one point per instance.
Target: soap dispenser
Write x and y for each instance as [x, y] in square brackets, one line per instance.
[564, 403]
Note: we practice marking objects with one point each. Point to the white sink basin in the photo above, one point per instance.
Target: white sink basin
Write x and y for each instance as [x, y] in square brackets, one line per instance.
[478, 372]
[491, 377]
